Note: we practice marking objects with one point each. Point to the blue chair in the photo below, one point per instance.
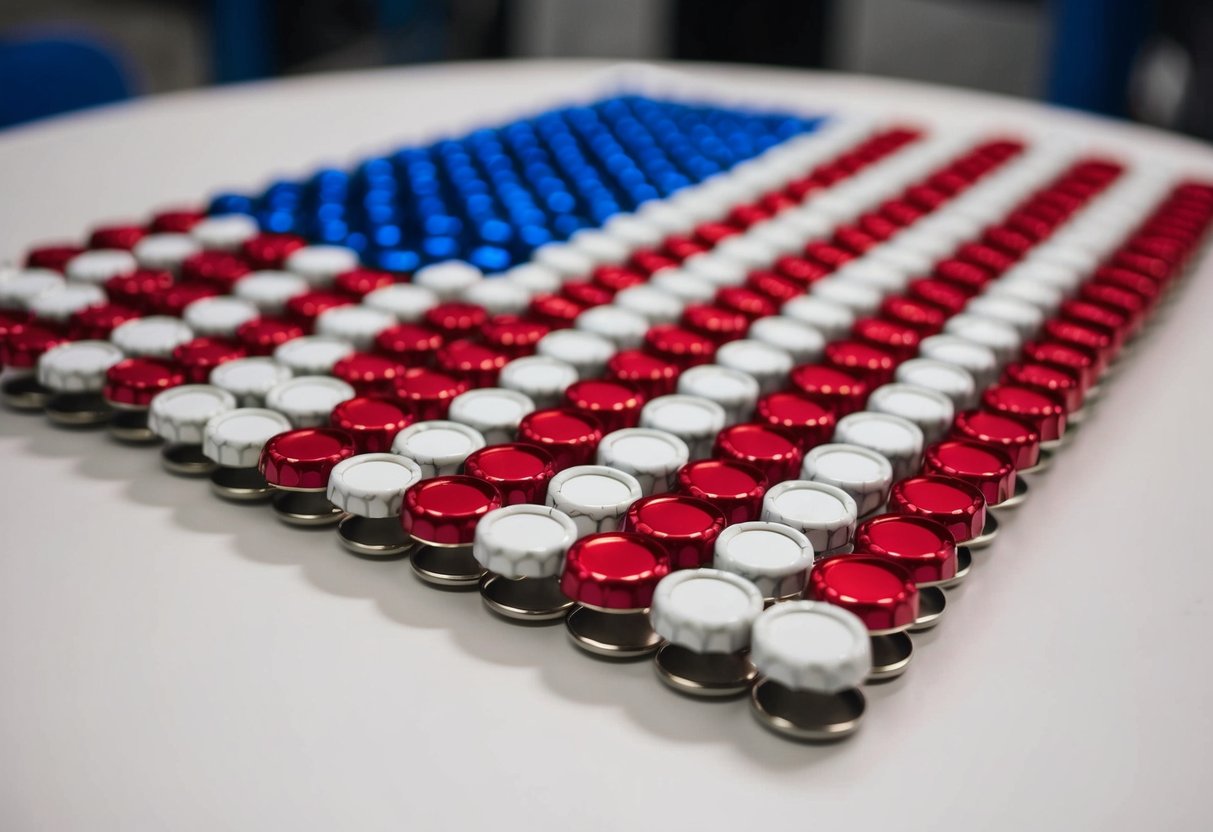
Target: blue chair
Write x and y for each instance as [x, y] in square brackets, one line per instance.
[52, 74]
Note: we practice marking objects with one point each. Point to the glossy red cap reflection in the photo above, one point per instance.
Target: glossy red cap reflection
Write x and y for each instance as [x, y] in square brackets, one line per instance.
[373, 422]
[134, 382]
[686, 527]
[770, 449]
[615, 404]
[1038, 408]
[841, 392]
[875, 588]
[570, 436]
[987, 468]
[872, 364]
[1053, 381]
[428, 393]
[198, 357]
[736, 488]
[614, 570]
[1012, 435]
[444, 511]
[477, 364]
[303, 459]
[269, 251]
[923, 546]
[957, 505]
[678, 345]
[647, 374]
[520, 471]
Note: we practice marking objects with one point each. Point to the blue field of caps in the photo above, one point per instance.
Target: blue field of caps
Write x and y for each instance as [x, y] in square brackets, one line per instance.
[492, 196]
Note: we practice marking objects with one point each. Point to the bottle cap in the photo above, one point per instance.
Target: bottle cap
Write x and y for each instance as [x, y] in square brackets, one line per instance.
[165, 251]
[439, 447]
[493, 411]
[445, 510]
[17, 290]
[152, 337]
[1014, 436]
[789, 335]
[407, 302]
[686, 527]
[811, 646]
[595, 496]
[249, 379]
[835, 389]
[614, 404]
[308, 401]
[448, 280]
[234, 439]
[218, 316]
[770, 449]
[269, 290]
[520, 471]
[524, 541]
[951, 380]
[706, 610]
[929, 409]
[823, 513]
[986, 467]
[312, 355]
[957, 505]
[694, 420]
[586, 352]
[269, 251]
[179, 415]
[653, 457]
[372, 485]
[358, 325]
[776, 558]
[734, 390]
[133, 382]
[614, 571]
[302, 460]
[77, 367]
[999, 337]
[874, 588]
[649, 375]
[733, 487]
[862, 473]
[319, 264]
[373, 422]
[1040, 409]
[832, 320]
[811, 423]
[978, 360]
[654, 305]
[898, 440]
[97, 266]
[623, 328]
[225, 233]
[923, 546]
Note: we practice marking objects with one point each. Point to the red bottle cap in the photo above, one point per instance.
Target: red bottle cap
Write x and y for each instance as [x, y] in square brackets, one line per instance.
[513, 335]
[828, 254]
[269, 251]
[686, 527]
[898, 339]
[680, 248]
[771, 450]
[988, 468]
[198, 357]
[1078, 361]
[372, 422]
[1040, 409]
[1015, 437]
[923, 546]
[369, 374]
[957, 505]
[1074, 334]
[988, 257]
[520, 471]
[134, 382]
[138, 288]
[121, 237]
[444, 511]
[924, 317]
[1008, 241]
[1061, 384]
[570, 436]
[52, 257]
[721, 325]
[774, 286]
[614, 404]
[1098, 317]
[965, 275]
[361, 282]
[617, 278]
[1132, 305]
[177, 220]
[307, 307]
[808, 421]
[614, 570]
[301, 460]
[174, 298]
[872, 364]
[456, 320]
[410, 344]
[261, 336]
[97, 322]
[801, 270]
[650, 262]
[875, 588]
[25, 343]
[841, 392]
[216, 268]
[678, 345]
[711, 233]
[586, 294]
[557, 311]
[746, 301]
[477, 364]
[649, 375]
[428, 393]
[946, 297]
[736, 488]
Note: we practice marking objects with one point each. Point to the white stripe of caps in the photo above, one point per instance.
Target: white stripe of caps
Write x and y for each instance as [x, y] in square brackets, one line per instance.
[601, 248]
[372, 485]
[540, 378]
[179, 415]
[931, 410]
[357, 324]
[1001, 338]
[799, 340]
[767, 364]
[734, 390]
[498, 296]
[952, 380]
[61, 303]
[1020, 315]
[633, 231]
[715, 270]
[318, 265]
[594, 496]
[269, 290]
[705, 610]
[308, 401]
[694, 420]
[859, 299]
[218, 316]
[623, 328]
[153, 337]
[77, 367]
[493, 411]
[524, 541]
[438, 446]
[656, 306]
[224, 233]
[1028, 289]
[683, 285]
[861, 472]
[234, 439]
[881, 276]
[249, 379]
[653, 457]
[811, 646]
[748, 251]
[897, 439]
[775, 557]
[586, 352]
[833, 320]
[533, 277]
[99, 265]
[312, 355]
[449, 279]
[565, 260]
[407, 302]
[823, 513]
[979, 361]
[165, 251]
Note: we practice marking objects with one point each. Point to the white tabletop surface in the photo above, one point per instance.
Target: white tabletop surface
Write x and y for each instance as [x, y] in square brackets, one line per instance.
[168, 661]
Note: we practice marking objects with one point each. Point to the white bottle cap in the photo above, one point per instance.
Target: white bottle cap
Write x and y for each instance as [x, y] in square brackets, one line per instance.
[783, 234]
[77, 367]
[705, 610]
[308, 401]
[218, 316]
[861, 300]
[493, 411]
[906, 259]
[823, 513]
[633, 231]
[542, 379]
[448, 280]
[747, 251]
[979, 361]
[653, 457]
[99, 265]
[694, 420]
[601, 248]
[179, 415]
[165, 251]
[586, 352]
[656, 306]
[715, 270]
[18, 289]
[565, 260]
[533, 277]
[357, 324]
[1024, 287]
[811, 646]
[898, 440]
[312, 355]
[623, 328]
[318, 265]
[234, 439]
[594, 496]
[734, 390]
[926, 242]
[524, 541]
[407, 302]
[225, 233]
[60, 304]
[799, 340]
[767, 364]
[683, 285]
[1025, 318]
[952, 380]
[999, 337]
[776, 558]
[249, 379]
[862, 473]
[498, 296]
[372, 485]
[153, 337]
[884, 277]
[832, 320]
[929, 409]
[438, 446]
[269, 290]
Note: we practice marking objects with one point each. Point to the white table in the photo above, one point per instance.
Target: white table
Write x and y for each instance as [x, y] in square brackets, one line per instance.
[168, 661]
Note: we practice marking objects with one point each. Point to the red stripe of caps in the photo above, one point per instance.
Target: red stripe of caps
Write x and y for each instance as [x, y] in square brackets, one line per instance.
[678, 345]
[269, 251]
[444, 511]
[736, 488]
[1040, 409]
[875, 588]
[721, 325]
[775, 287]
[924, 317]
[808, 421]
[220, 269]
[986, 467]
[923, 546]
[649, 262]
[1098, 317]
[97, 322]
[841, 392]
[117, 236]
[307, 307]
[513, 335]
[872, 364]
[965, 275]
[261, 336]
[956, 504]
[520, 471]
[570, 436]
[585, 293]
[137, 289]
[477, 364]
[52, 257]
[770, 449]
[1132, 305]
[685, 527]
[409, 343]
[428, 393]
[898, 339]
[1015, 437]
[1079, 362]
[615, 405]
[1099, 344]
[649, 375]
[25, 343]
[303, 459]
[373, 422]
[800, 269]
[614, 570]
[947, 297]
[361, 282]
[746, 301]
[556, 311]
[680, 247]
[711, 233]
[134, 382]
[198, 357]
[617, 278]
[1054, 381]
